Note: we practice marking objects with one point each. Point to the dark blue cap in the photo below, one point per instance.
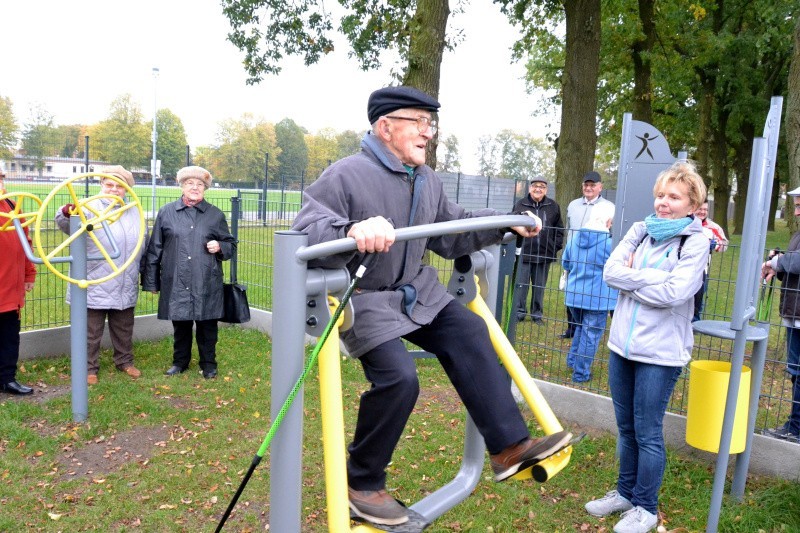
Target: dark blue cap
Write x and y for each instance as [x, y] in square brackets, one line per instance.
[384, 101]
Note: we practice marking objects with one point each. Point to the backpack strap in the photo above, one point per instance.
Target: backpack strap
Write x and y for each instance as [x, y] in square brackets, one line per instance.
[680, 245]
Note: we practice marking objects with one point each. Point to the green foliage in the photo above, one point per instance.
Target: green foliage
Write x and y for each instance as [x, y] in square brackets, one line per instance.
[322, 151]
[8, 128]
[240, 155]
[348, 143]
[123, 138]
[293, 156]
[171, 144]
[73, 140]
[292, 28]
[38, 136]
[516, 156]
[447, 154]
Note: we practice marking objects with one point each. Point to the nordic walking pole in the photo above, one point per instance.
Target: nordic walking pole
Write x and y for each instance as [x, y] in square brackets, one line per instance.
[362, 268]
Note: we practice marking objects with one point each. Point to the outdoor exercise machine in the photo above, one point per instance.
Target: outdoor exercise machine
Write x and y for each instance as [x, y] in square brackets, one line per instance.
[644, 154]
[301, 306]
[73, 250]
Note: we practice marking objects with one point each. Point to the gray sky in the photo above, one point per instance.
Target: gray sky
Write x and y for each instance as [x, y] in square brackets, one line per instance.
[75, 57]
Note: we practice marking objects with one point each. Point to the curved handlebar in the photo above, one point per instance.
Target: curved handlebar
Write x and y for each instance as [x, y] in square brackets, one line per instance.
[437, 229]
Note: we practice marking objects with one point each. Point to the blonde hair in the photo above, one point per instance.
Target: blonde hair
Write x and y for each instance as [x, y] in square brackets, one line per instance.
[684, 172]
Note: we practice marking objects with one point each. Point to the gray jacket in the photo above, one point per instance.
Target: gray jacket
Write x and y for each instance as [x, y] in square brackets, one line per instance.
[653, 319]
[122, 291]
[178, 264]
[372, 183]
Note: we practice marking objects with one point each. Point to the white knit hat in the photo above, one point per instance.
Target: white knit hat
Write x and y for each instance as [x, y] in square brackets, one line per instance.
[194, 172]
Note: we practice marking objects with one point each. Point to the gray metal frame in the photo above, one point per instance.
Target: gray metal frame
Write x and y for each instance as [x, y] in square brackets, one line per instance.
[295, 286]
[762, 170]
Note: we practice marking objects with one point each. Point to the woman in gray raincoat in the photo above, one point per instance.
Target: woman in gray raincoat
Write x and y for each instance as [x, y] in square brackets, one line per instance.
[116, 298]
[183, 263]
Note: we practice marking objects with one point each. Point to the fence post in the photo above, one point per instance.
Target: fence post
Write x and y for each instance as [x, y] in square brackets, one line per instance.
[458, 186]
[488, 189]
[283, 197]
[188, 156]
[86, 160]
[302, 186]
[266, 187]
[235, 213]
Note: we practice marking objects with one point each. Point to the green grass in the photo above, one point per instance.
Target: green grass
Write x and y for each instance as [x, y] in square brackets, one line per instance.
[167, 454]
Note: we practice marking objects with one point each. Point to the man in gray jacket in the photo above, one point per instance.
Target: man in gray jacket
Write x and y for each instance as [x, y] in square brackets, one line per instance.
[366, 196]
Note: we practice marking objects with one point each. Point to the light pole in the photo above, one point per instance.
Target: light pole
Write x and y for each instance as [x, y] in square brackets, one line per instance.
[153, 163]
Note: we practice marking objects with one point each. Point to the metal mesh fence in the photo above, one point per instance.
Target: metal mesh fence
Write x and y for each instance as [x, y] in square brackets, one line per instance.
[539, 345]
[544, 350]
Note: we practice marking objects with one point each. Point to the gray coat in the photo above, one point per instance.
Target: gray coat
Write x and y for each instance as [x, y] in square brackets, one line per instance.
[122, 291]
[653, 319]
[178, 264]
[375, 183]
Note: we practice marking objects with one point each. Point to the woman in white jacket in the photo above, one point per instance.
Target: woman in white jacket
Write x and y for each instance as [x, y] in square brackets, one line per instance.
[657, 268]
[115, 298]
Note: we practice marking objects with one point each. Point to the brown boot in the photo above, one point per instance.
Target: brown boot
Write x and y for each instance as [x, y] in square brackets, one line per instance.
[132, 371]
[377, 506]
[527, 453]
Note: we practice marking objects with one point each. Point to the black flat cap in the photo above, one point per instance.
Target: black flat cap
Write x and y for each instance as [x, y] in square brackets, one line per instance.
[592, 176]
[384, 101]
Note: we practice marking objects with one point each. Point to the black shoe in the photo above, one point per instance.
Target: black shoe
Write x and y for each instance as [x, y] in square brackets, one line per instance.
[781, 433]
[13, 387]
[566, 335]
[175, 369]
[209, 374]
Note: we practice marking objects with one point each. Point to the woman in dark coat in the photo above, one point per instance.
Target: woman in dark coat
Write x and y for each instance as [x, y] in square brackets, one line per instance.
[183, 262]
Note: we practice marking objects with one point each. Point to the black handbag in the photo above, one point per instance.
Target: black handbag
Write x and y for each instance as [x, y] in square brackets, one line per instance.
[236, 310]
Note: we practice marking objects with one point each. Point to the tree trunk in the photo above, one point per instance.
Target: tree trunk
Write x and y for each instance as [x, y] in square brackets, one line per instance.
[719, 166]
[425, 50]
[704, 132]
[792, 122]
[642, 91]
[741, 163]
[578, 137]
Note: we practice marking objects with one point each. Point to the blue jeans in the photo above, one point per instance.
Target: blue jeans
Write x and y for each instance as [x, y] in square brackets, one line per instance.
[588, 332]
[640, 393]
[793, 367]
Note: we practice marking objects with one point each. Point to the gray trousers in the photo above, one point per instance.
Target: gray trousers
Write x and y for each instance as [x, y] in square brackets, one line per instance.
[120, 327]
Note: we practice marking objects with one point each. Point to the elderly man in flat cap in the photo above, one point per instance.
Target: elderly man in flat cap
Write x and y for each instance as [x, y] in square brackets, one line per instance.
[183, 263]
[116, 298]
[367, 196]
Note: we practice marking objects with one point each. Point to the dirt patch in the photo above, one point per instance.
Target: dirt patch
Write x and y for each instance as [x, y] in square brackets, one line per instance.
[444, 398]
[107, 454]
[41, 393]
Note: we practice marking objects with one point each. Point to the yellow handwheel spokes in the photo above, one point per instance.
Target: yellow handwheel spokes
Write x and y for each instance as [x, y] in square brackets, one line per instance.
[109, 214]
[19, 199]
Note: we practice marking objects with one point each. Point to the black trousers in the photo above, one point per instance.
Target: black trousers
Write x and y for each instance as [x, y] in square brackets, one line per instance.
[206, 334]
[535, 276]
[460, 340]
[9, 346]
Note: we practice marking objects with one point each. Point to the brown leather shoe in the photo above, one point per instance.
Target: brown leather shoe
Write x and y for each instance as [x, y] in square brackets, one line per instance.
[91, 379]
[132, 371]
[527, 453]
[377, 506]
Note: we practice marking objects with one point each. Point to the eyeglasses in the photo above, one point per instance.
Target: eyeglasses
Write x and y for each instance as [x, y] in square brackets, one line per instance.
[540, 186]
[589, 184]
[423, 123]
[108, 184]
[188, 184]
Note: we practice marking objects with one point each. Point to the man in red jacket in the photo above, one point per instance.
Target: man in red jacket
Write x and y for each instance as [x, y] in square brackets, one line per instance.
[17, 275]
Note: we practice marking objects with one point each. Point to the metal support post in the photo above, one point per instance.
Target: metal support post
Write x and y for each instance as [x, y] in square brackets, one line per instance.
[288, 334]
[78, 327]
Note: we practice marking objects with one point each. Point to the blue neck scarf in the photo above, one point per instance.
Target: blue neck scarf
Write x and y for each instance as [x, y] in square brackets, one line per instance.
[661, 229]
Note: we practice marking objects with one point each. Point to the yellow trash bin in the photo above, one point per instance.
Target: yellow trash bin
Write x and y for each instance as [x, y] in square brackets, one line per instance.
[708, 390]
